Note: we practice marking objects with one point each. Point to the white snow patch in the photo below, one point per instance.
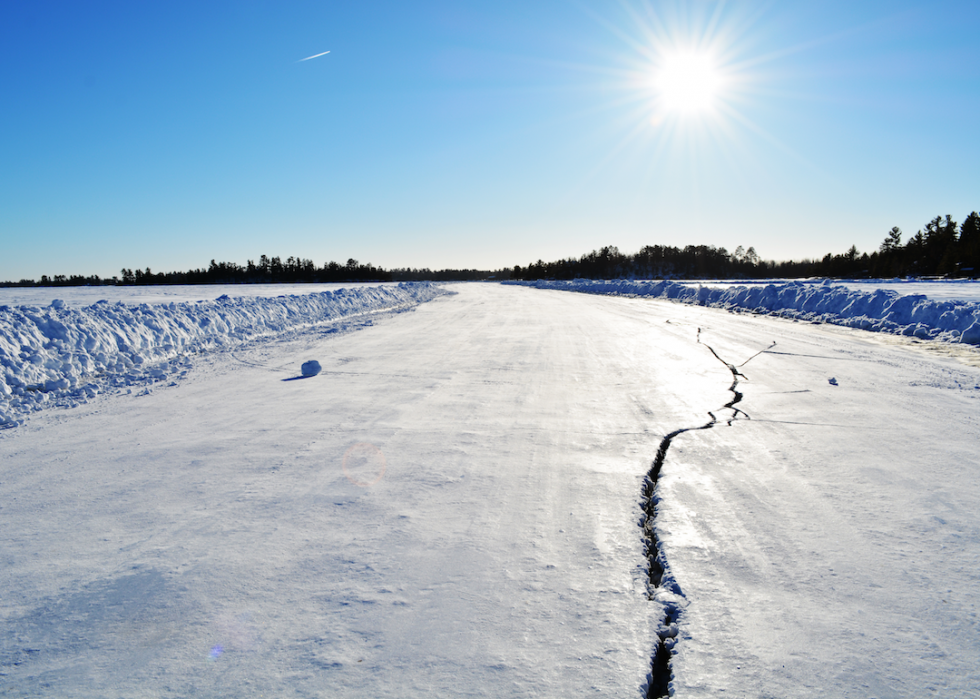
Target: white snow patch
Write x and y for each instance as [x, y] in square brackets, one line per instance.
[59, 355]
[879, 311]
[935, 289]
[155, 294]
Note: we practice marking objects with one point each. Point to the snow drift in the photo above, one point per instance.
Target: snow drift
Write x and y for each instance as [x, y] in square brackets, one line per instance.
[58, 355]
[880, 311]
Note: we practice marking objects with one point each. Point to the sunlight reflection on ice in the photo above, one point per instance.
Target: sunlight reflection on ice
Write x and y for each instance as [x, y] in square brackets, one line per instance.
[364, 464]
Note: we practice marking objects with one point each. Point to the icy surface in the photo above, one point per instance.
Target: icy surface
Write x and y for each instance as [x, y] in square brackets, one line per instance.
[452, 508]
[880, 311]
[828, 541]
[59, 354]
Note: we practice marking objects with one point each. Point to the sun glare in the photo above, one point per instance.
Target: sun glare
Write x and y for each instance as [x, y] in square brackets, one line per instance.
[688, 83]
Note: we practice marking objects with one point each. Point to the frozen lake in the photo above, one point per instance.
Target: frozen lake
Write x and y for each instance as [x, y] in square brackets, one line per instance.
[452, 507]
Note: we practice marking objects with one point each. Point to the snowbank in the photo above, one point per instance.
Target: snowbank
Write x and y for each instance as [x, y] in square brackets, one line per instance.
[962, 290]
[58, 355]
[880, 311]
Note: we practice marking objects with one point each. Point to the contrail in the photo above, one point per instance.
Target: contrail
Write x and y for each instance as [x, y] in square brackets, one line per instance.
[316, 56]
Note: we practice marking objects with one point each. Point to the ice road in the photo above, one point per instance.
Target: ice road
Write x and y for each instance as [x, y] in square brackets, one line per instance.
[454, 505]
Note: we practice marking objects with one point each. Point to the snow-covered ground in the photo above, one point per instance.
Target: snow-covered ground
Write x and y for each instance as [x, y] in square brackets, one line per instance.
[452, 507]
[964, 290]
[879, 310]
[65, 353]
[159, 294]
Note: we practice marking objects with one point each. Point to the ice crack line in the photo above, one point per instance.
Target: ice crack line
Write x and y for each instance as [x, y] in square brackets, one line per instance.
[662, 586]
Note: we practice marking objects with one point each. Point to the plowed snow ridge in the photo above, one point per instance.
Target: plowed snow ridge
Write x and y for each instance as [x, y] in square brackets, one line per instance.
[881, 311]
[58, 355]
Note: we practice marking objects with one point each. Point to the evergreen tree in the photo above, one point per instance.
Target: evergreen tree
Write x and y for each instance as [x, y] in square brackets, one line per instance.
[969, 245]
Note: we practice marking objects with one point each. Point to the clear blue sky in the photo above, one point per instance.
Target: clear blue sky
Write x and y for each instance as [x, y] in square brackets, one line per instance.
[473, 133]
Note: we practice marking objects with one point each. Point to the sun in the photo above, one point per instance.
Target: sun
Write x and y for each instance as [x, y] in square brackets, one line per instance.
[688, 82]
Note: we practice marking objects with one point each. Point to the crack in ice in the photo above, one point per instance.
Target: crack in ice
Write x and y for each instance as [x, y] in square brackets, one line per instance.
[662, 586]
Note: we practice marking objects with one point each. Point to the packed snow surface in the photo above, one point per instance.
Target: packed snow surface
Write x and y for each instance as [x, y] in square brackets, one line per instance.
[62, 354]
[452, 507]
[880, 310]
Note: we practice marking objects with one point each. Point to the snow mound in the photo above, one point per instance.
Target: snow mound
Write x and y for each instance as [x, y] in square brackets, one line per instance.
[879, 311]
[58, 355]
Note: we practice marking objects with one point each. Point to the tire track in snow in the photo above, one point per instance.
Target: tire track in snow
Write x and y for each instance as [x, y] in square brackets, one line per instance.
[662, 585]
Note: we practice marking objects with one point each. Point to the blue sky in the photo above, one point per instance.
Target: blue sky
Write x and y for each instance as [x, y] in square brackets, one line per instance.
[473, 134]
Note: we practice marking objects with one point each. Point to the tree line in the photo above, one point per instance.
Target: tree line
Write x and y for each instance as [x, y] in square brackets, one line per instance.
[269, 270]
[651, 262]
[425, 274]
[943, 248]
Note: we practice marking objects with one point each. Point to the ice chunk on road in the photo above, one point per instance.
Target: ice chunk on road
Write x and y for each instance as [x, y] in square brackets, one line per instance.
[310, 368]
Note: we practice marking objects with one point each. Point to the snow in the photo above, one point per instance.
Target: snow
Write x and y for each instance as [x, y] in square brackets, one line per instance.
[880, 310]
[452, 508]
[963, 290]
[155, 294]
[60, 355]
[827, 543]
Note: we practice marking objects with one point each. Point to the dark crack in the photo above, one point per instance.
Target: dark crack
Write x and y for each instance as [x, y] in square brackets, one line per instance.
[660, 577]
[662, 586]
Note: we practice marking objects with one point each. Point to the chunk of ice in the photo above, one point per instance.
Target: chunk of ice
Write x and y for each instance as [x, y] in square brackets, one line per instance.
[311, 368]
